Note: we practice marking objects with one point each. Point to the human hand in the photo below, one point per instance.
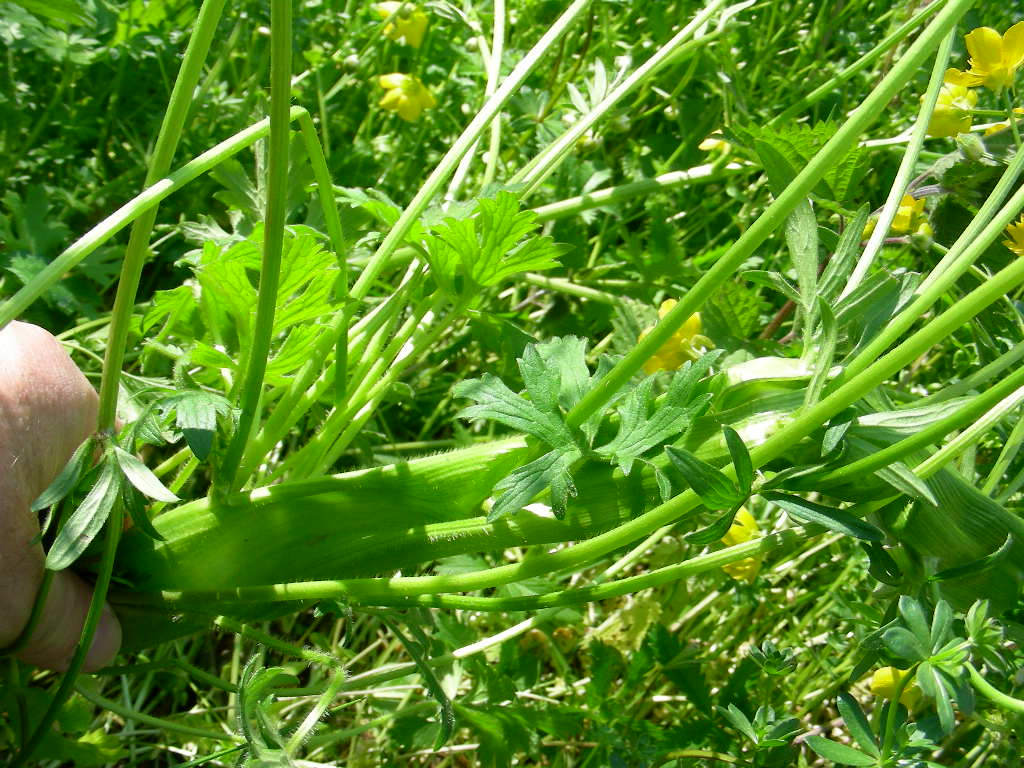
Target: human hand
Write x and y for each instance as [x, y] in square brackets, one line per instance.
[47, 408]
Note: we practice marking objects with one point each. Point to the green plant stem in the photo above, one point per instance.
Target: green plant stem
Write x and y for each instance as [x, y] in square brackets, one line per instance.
[982, 230]
[129, 212]
[971, 435]
[933, 433]
[113, 527]
[570, 288]
[403, 591]
[906, 170]
[162, 725]
[313, 717]
[533, 174]
[774, 216]
[462, 144]
[977, 378]
[831, 85]
[329, 206]
[493, 74]
[1006, 455]
[985, 688]
[699, 174]
[138, 242]
[273, 239]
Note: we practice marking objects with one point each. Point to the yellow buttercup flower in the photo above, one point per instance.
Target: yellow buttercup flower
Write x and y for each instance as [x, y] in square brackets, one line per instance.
[1015, 242]
[997, 127]
[885, 681]
[408, 24]
[744, 528]
[952, 113]
[908, 215]
[405, 95]
[711, 144]
[683, 345]
[994, 58]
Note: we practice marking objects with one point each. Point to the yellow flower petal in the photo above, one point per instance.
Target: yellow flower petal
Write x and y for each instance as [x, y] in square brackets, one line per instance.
[885, 681]
[1016, 237]
[394, 80]
[1013, 46]
[985, 47]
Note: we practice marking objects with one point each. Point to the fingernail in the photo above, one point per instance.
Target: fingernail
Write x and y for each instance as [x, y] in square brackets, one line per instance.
[105, 643]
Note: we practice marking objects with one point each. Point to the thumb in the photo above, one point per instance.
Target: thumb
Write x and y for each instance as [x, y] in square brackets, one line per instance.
[55, 636]
[47, 408]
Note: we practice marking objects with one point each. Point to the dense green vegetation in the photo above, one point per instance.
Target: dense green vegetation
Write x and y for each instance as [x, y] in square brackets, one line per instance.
[524, 382]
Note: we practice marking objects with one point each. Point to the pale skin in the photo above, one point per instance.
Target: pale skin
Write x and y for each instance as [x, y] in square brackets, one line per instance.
[47, 409]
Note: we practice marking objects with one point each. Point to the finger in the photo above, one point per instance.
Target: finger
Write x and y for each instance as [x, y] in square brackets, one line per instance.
[53, 641]
[47, 408]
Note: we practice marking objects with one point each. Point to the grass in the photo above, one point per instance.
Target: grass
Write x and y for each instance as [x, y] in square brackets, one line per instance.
[322, 293]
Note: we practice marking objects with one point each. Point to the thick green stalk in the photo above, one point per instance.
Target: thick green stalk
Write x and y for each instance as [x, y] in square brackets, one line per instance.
[138, 242]
[774, 216]
[589, 550]
[379, 591]
[273, 238]
[129, 212]
[466, 139]
[906, 170]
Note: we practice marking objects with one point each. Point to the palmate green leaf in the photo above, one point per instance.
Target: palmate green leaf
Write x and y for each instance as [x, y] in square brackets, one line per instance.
[798, 143]
[495, 401]
[488, 247]
[86, 521]
[640, 432]
[838, 753]
[552, 470]
[828, 517]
